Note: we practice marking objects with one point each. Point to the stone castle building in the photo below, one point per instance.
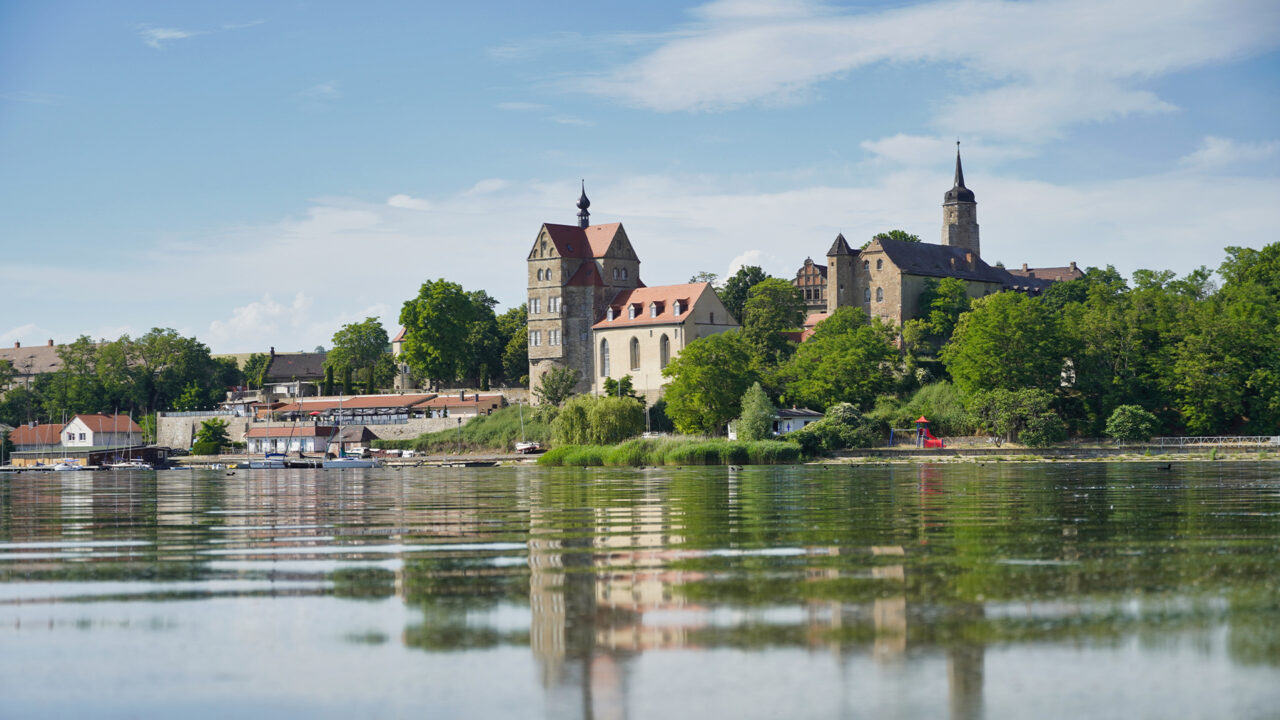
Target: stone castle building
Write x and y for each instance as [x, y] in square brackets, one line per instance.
[589, 310]
[886, 277]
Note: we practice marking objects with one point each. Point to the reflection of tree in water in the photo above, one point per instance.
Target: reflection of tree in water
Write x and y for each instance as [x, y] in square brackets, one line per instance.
[448, 590]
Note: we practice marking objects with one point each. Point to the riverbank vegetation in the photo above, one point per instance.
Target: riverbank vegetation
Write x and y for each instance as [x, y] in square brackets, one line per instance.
[497, 432]
[644, 452]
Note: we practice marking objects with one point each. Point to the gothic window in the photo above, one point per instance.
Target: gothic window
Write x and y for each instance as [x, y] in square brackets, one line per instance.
[866, 295]
[866, 264]
[879, 264]
[879, 294]
[635, 354]
[604, 358]
[664, 351]
[539, 275]
[615, 273]
[548, 276]
[624, 273]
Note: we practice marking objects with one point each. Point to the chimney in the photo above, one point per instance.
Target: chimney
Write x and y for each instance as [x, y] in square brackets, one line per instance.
[50, 342]
[1024, 267]
[273, 351]
[1073, 266]
[17, 344]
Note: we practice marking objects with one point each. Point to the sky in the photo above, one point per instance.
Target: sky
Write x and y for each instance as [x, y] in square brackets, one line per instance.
[259, 174]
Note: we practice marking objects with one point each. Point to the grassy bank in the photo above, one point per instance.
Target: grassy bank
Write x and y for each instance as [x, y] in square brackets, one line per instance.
[498, 432]
[675, 451]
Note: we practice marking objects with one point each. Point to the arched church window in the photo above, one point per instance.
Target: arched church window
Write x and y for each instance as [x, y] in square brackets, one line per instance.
[635, 354]
[879, 294]
[866, 264]
[604, 358]
[615, 273]
[866, 295]
[879, 264]
[664, 351]
[539, 276]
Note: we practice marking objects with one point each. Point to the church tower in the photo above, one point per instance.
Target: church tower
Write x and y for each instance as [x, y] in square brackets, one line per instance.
[960, 214]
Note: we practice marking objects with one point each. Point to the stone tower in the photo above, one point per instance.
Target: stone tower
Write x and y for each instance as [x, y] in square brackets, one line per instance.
[841, 261]
[960, 214]
[573, 273]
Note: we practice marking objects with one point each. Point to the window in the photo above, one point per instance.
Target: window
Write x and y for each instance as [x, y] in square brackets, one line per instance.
[535, 338]
[81, 436]
[879, 294]
[615, 273]
[553, 337]
[553, 305]
[664, 351]
[866, 295]
[539, 275]
[713, 318]
[548, 276]
[635, 354]
[71, 437]
[609, 313]
[631, 311]
[624, 273]
[879, 264]
[653, 309]
[866, 264]
[535, 306]
[604, 358]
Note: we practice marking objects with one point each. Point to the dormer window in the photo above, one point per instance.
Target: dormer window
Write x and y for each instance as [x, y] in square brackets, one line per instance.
[609, 315]
[615, 273]
[631, 311]
[654, 309]
[677, 308]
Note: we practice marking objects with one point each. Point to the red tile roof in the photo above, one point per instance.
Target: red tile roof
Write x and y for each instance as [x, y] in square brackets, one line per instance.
[358, 402]
[38, 435]
[587, 275]
[110, 423]
[573, 241]
[1056, 274]
[665, 297]
[399, 336]
[292, 431]
[451, 401]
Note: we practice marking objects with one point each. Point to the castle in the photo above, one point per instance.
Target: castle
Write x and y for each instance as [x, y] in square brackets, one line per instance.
[589, 310]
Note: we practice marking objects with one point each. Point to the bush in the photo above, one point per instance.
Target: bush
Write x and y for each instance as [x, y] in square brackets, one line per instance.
[498, 432]
[1130, 423]
[940, 402]
[204, 447]
[756, 422]
[1043, 430]
[674, 451]
[842, 427]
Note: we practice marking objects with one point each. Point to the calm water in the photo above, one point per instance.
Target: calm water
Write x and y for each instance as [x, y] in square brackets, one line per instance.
[963, 591]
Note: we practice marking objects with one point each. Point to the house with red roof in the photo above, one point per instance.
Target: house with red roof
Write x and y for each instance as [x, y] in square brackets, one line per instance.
[35, 437]
[101, 431]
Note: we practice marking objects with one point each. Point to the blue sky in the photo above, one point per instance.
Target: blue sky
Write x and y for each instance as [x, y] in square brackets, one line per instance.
[259, 174]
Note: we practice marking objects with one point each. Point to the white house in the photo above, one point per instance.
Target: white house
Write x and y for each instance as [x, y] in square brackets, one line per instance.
[101, 431]
[785, 420]
[287, 439]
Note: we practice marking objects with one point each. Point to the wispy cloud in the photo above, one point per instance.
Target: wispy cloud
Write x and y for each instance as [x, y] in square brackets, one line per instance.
[520, 106]
[571, 120]
[322, 92]
[1217, 152]
[408, 202]
[33, 98]
[1026, 69]
[159, 37]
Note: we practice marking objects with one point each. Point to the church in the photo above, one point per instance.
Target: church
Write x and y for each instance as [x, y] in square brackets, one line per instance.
[589, 310]
[886, 277]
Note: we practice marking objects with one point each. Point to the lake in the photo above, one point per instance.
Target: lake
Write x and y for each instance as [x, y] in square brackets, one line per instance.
[967, 590]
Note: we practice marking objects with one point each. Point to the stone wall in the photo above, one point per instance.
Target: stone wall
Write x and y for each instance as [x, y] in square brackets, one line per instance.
[180, 431]
[415, 427]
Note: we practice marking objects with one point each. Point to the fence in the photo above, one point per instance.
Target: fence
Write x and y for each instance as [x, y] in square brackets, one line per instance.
[1216, 440]
[194, 413]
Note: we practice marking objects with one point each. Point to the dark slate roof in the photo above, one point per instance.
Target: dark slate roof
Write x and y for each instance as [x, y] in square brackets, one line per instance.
[958, 193]
[798, 413]
[917, 258]
[1023, 284]
[299, 366]
[841, 247]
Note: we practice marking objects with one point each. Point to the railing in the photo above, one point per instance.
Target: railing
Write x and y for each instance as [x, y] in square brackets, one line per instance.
[1218, 440]
[195, 413]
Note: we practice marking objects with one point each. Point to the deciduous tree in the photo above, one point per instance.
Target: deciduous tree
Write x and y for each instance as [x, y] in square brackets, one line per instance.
[708, 379]
[1006, 341]
[437, 323]
[736, 288]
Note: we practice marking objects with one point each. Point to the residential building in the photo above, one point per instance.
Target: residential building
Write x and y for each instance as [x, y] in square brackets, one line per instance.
[645, 328]
[294, 374]
[289, 438]
[101, 431]
[811, 279]
[34, 437]
[28, 362]
[785, 420]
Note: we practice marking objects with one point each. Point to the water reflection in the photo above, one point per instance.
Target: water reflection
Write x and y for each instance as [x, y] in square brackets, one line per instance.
[957, 590]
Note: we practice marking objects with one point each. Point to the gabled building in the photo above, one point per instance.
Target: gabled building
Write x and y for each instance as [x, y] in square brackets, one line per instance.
[33, 437]
[28, 362]
[294, 374]
[886, 277]
[101, 431]
[289, 438]
[811, 279]
[644, 328]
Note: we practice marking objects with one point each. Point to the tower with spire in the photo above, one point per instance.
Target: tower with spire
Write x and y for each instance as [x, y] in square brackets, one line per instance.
[960, 214]
[584, 217]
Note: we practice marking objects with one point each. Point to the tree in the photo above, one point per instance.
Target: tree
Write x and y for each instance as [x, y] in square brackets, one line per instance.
[1130, 423]
[327, 387]
[254, 368]
[773, 307]
[437, 323]
[513, 333]
[850, 367]
[360, 346]
[708, 379]
[941, 304]
[619, 388]
[1024, 415]
[484, 343]
[736, 288]
[844, 320]
[1006, 341]
[756, 421]
[346, 380]
[704, 277]
[211, 437]
[556, 385]
[899, 235]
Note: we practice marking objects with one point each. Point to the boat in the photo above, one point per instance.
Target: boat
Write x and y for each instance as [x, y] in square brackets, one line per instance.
[67, 467]
[130, 465]
[526, 446]
[269, 461]
[344, 461]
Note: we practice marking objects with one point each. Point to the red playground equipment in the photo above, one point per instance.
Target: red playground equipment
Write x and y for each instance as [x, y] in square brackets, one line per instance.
[924, 438]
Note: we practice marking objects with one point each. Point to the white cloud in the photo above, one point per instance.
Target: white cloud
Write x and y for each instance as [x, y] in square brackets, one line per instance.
[520, 106]
[322, 94]
[1217, 152]
[261, 321]
[158, 37]
[570, 120]
[408, 202]
[1023, 70]
[487, 186]
[924, 150]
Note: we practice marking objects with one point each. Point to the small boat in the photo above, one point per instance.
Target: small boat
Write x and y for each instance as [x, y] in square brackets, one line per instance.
[270, 461]
[528, 447]
[66, 467]
[351, 462]
[130, 465]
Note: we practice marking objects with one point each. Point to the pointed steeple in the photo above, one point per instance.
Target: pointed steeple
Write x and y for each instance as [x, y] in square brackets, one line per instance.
[958, 192]
[840, 247]
[584, 217]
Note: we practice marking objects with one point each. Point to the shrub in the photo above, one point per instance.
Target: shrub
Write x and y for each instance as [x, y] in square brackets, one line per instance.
[756, 422]
[1131, 423]
[1043, 430]
[205, 447]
